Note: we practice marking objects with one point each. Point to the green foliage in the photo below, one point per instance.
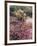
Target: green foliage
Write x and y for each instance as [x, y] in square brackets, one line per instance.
[21, 11]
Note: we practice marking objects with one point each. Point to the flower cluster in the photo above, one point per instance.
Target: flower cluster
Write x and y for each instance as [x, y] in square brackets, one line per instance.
[21, 30]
